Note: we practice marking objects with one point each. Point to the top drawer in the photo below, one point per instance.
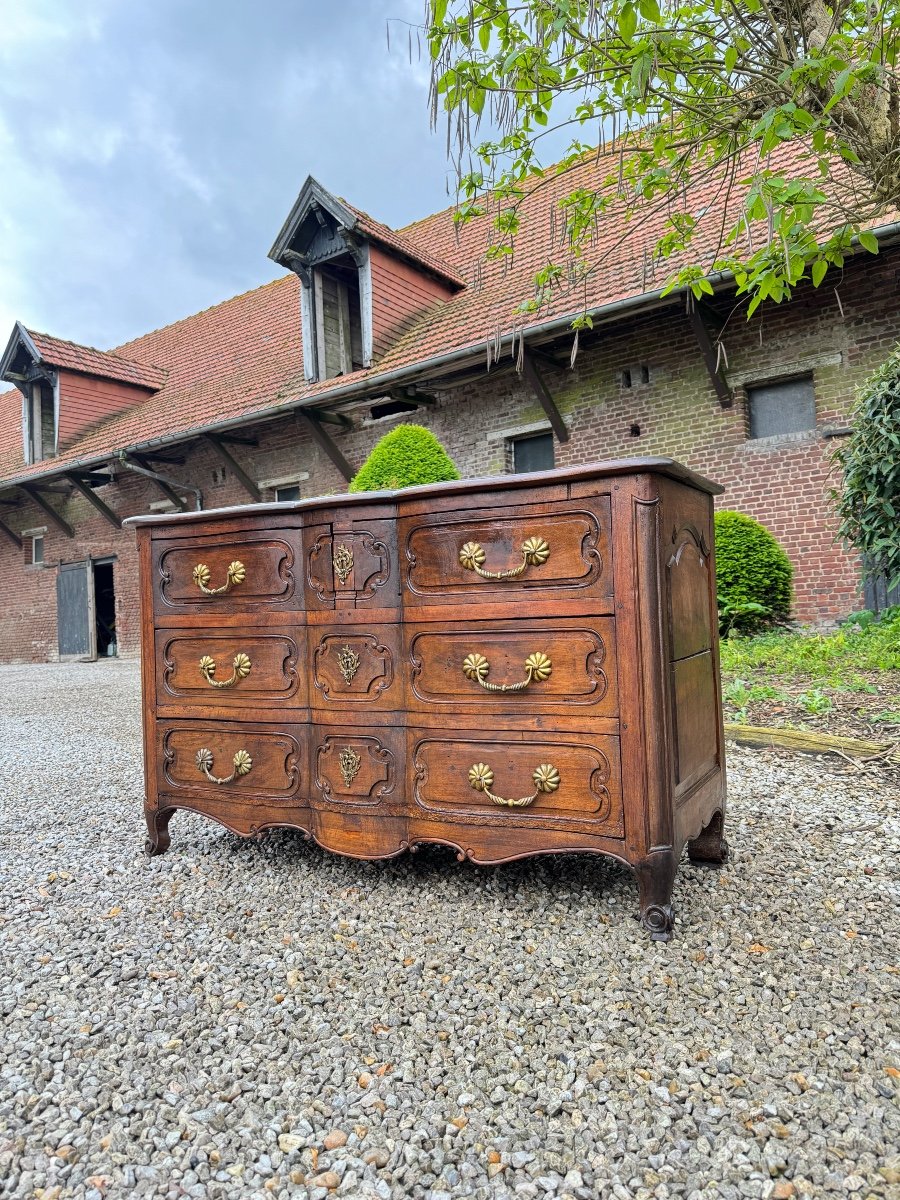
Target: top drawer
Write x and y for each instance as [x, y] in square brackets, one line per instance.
[547, 551]
[225, 572]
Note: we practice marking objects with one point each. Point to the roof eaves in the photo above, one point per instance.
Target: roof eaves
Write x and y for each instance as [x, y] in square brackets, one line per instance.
[357, 389]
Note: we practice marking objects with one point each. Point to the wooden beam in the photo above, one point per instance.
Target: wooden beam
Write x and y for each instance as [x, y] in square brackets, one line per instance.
[308, 421]
[10, 503]
[701, 333]
[548, 404]
[170, 459]
[167, 491]
[88, 492]
[232, 439]
[36, 498]
[333, 418]
[233, 465]
[808, 741]
[13, 537]
[91, 478]
[414, 396]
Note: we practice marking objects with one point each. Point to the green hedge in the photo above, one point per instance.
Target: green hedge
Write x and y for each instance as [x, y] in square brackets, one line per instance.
[868, 505]
[407, 456]
[753, 574]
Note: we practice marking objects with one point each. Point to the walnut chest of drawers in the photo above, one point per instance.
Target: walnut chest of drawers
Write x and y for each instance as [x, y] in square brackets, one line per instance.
[512, 666]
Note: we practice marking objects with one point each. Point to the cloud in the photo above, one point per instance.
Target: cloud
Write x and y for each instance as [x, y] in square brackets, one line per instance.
[151, 152]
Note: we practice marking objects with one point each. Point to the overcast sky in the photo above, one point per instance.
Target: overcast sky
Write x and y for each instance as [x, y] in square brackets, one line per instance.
[151, 149]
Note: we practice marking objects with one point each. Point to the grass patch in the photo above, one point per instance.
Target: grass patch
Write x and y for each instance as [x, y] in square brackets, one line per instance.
[835, 658]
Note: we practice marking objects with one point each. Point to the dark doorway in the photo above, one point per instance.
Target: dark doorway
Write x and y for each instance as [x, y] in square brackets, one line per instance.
[105, 609]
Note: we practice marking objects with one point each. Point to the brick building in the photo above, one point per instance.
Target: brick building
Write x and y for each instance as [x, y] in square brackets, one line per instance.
[282, 392]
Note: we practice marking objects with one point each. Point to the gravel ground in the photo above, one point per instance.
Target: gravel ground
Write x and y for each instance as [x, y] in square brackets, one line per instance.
[253, 1020]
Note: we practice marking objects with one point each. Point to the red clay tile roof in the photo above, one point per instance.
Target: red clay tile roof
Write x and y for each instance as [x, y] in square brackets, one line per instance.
[243, 358]
[403, 245]
[89, 361]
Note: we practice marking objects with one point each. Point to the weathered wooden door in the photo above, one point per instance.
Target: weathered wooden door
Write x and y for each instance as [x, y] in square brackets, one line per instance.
[75, 610]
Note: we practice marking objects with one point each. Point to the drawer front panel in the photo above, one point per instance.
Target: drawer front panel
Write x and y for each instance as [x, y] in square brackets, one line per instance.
[544, 551]
[545, 666]
[250, 759]
[352, 567]
[227, 572]
[229, 668]
[572, 779]
[358, 768]
[355, 666]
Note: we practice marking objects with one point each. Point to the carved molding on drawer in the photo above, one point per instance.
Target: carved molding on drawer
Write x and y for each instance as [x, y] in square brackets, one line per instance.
[277, 755]
[377, 550]
[269, 567]
[256, 681]
[368, 679]
[354, 770]
[586, 773]
[581, 685]
[365, 564]
[560, 570]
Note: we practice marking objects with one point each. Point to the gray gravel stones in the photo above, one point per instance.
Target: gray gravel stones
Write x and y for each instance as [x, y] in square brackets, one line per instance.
[259, 1020]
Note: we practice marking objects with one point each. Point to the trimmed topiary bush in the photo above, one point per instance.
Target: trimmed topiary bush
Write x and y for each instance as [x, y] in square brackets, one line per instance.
[408, 455]
[753, 574]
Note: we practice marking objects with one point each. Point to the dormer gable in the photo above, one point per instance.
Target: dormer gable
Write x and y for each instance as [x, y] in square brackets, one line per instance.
[363, 283]
[66, 388]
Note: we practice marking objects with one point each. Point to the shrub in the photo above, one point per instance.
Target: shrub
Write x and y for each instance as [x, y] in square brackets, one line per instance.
[407, 456]
[753, 574]
[867, 504]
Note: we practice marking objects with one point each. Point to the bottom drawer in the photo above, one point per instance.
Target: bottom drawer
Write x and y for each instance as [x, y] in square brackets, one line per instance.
[516, 777]
[237, 760]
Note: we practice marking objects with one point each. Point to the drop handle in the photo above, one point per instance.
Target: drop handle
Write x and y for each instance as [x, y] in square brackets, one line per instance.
[535, 551]
[546, 779]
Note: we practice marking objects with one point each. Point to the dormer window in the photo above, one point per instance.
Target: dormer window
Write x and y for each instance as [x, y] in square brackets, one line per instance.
[40, 423]
[363, 284]
[66, 388]
[337, 318]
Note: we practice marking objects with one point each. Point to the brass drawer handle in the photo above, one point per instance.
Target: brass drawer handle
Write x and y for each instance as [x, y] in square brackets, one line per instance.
[538, 667]
[535, 550]
[237, 573]
[546, 779]
[242, 762]
[240, 669]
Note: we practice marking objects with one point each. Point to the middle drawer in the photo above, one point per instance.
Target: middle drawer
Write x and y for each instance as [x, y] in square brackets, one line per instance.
[516, 668]
[520, 667]
[236, 668]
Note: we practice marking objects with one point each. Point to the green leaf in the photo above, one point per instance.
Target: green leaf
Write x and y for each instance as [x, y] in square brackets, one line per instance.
[627, 22]
[484, 36]
[819, 268]
[868, 241]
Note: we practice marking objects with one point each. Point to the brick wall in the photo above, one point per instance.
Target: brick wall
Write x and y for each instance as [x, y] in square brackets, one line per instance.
[783, 482]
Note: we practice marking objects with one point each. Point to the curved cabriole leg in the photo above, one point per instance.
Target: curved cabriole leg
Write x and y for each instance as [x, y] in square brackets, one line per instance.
[710, 847]
[656, 879]
[158, 831]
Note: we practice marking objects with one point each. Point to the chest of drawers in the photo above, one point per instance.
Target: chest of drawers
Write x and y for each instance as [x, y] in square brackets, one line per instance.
[510, 666]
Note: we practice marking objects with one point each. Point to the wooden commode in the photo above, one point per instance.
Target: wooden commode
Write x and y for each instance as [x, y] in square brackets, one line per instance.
[512, 666]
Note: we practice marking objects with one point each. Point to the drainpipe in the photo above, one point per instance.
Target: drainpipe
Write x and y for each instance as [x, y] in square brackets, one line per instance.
[124, 461]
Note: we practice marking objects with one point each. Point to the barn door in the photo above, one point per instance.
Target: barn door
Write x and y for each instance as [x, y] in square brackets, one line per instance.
[75, 610]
